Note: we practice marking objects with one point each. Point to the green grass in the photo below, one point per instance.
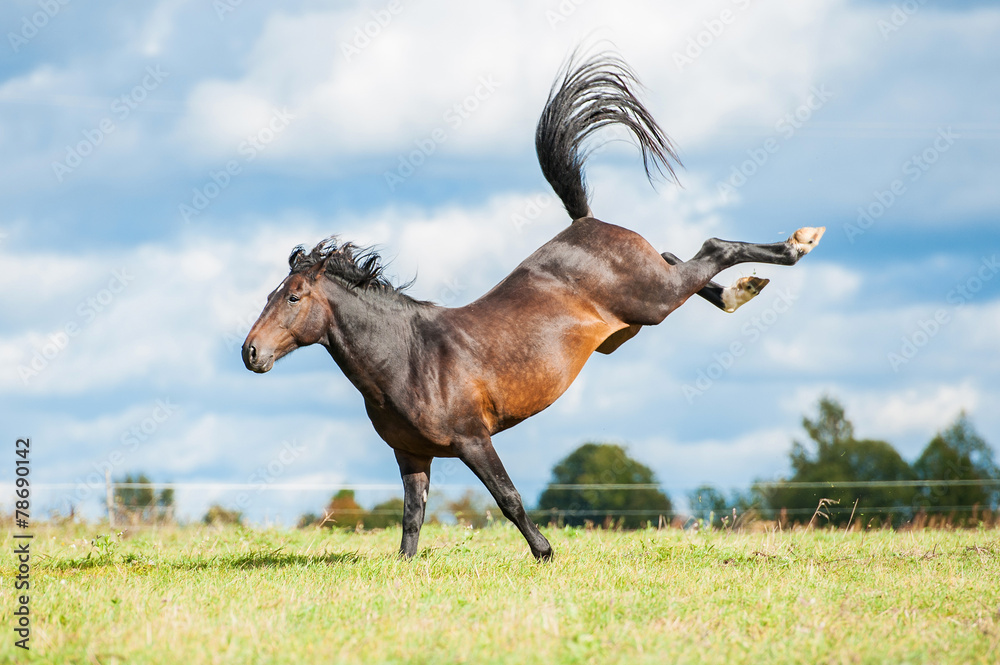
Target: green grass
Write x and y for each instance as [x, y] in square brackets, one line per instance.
[201, 595]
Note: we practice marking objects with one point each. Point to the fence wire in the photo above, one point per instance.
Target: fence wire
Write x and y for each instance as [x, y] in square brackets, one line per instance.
[563, 513]
[833, 484]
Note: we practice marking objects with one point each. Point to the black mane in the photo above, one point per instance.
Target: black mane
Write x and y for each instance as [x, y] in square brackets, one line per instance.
[358, 267]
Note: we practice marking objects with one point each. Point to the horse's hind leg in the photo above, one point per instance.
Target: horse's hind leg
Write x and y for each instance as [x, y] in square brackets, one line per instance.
[716, 255]
[480, 456]
[641, 286]
[726, 298]
[728, 253]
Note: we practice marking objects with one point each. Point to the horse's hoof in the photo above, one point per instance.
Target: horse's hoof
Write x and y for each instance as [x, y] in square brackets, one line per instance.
[543, 555]
[742, 291]
[806, 238]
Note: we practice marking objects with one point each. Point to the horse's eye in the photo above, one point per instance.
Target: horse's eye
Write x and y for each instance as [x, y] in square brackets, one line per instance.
[293, 298]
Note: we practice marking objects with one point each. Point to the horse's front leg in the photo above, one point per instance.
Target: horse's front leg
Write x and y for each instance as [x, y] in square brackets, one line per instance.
[416, 473]
[480, 456]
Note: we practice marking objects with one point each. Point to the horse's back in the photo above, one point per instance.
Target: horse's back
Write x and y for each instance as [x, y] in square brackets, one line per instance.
[612, 267]
[586, 272]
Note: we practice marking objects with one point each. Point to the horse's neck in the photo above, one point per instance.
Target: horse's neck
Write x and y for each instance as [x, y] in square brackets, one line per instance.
[370, 341]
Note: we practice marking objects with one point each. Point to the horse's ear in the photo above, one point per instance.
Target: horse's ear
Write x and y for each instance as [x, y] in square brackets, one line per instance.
[294, 257]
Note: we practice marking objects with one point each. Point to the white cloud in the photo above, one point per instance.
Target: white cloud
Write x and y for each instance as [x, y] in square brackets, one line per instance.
[925, 410]
[351, 104]
[162, 310]
[45, 278]
[159, 27]
[907, 416]
[723, 463]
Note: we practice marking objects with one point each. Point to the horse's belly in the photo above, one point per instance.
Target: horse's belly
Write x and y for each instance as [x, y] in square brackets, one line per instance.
[410, 435]
[539, 377]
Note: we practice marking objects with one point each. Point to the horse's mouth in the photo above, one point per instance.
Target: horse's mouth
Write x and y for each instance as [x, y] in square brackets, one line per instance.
[260, 368]
[256, 361]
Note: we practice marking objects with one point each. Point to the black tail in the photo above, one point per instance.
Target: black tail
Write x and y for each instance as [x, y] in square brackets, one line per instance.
[590, 95]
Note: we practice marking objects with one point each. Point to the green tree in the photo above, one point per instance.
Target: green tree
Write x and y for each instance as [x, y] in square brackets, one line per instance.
[708, 505]
[837, 456]
[604, 464]
[142, 504]
[471, 509]
[957, 453]
[307, 520]
[343, 511]
[218, 515]
[385, 514]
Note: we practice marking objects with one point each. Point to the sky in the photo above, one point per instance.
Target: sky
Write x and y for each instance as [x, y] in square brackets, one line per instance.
[158, 162]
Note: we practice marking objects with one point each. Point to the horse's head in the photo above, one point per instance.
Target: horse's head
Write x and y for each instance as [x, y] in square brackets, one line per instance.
[301, 310]
[297, 313]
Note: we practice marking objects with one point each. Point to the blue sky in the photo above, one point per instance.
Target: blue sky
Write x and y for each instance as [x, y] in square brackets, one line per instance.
[279, 126]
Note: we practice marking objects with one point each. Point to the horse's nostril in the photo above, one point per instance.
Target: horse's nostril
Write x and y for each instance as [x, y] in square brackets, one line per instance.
[253, 352]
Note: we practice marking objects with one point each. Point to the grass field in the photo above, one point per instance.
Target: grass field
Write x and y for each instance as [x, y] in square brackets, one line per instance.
[204, 595]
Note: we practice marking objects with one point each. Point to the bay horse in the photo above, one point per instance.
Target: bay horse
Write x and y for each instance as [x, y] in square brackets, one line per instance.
[440, 381]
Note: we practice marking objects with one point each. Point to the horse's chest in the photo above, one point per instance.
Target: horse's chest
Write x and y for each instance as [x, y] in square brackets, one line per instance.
[415, 434]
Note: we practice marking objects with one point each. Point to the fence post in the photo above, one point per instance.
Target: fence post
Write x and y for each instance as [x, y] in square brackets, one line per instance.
[109, 498]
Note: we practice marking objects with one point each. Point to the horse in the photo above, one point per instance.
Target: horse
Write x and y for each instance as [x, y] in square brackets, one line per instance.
[441, 381]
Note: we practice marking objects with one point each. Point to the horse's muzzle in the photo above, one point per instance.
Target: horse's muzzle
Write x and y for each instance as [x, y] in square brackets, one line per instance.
[256, 361]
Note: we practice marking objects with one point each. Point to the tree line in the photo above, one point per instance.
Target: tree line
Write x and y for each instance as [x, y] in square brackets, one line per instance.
[836, 478]
[954, 477]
